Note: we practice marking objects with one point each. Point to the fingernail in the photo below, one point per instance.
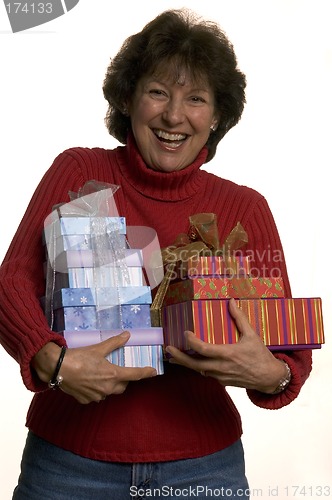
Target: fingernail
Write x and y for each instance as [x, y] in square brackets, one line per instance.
[125, 335]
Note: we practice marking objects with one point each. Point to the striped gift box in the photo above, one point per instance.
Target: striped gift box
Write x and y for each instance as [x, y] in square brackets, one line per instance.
[89, 258]
[144, 347]
[102, 277]
[218, 265]
[223, 287]
[295, 323]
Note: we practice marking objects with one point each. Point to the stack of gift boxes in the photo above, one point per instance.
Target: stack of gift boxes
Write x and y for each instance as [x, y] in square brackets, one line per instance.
[96, 288]
[198, 301]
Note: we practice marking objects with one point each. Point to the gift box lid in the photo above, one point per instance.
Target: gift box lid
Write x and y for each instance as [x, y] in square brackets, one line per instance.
[207, 287]
[279, 321]
[90, 277]
[293, 347]
[126, 316]
[101, 297]
[130, 257]
[138, 336]
[214, 265]
[66, 242]
[84, 225]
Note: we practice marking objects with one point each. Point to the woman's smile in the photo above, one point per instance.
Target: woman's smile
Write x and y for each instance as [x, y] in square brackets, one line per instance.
[170, 140]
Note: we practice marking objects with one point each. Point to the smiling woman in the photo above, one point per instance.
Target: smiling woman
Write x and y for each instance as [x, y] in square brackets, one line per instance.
[174, 90]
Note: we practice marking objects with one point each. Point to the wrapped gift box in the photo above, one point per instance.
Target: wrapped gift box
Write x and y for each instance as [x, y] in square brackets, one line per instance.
[82, 242]
[144, 347]
[100, 297]
[95, 284]
[175, 288]
[89, 258]
[84, 225]
[223, 287]
[213, 266]
[288, 323]
[104, 276]
[80, 318]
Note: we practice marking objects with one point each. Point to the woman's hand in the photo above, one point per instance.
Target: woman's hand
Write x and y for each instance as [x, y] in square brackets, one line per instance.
[248, 363]
[87, 375]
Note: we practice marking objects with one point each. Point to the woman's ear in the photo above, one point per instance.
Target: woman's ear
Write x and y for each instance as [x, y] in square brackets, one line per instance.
[125, 109]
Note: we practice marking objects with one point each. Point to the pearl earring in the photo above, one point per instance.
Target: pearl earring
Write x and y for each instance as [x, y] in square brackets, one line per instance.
[213, 128]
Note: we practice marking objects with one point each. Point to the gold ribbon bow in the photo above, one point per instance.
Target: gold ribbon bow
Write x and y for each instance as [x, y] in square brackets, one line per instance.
[202, 238]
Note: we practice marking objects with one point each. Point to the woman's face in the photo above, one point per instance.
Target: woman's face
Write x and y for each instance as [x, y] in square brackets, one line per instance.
[171, 122]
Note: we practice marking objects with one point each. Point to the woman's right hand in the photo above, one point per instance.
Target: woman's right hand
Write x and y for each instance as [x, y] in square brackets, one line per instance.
[87, 375]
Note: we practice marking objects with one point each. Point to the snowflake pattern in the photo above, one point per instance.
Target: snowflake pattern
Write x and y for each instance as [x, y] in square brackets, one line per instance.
[84, 326]
[135, 308]
[105, 314]
[77, 311]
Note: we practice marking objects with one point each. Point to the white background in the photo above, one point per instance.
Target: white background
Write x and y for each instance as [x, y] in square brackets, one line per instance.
[51, 99]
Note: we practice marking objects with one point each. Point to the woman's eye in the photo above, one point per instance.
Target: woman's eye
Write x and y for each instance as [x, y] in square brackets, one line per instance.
[197, 99]
[157, 92]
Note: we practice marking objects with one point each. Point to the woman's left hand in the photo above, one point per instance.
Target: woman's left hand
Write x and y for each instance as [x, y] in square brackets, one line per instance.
[248, 363]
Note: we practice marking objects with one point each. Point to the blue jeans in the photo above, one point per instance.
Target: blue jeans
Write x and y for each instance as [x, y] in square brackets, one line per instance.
[51, 473]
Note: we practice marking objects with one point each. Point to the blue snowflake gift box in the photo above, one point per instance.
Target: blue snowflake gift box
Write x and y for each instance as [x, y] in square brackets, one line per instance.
[96, 284]
[104, 308]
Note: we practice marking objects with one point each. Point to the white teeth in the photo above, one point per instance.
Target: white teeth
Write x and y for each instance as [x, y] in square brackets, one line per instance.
[170, 137]
[173, 145]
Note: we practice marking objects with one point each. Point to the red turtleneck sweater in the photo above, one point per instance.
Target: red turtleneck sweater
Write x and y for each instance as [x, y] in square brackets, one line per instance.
[179, 414]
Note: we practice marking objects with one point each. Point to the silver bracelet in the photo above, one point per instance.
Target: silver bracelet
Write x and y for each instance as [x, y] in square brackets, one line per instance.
[284, 382]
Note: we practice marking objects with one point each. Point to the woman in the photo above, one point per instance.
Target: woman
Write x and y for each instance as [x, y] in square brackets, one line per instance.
[174, 90]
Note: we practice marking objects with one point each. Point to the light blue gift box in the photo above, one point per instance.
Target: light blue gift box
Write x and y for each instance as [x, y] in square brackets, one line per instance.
[130, 257]
[67, 242]
[138, 357]
[105, 276]
[144, 347]
[90, 318]
[84, 225]
[100, 297]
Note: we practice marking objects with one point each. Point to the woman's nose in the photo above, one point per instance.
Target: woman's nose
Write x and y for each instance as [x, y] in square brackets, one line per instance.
[174, 112]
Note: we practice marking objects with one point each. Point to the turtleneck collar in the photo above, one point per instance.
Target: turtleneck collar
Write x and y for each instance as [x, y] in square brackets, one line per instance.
[166, 186]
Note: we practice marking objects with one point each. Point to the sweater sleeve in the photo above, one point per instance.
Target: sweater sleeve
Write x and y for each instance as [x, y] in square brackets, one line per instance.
[23, 326]
[267, 258]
